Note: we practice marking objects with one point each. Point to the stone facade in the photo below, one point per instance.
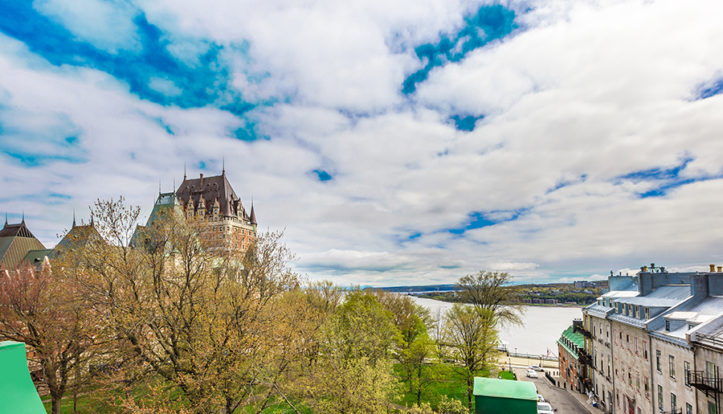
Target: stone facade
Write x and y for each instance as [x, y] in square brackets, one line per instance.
[655, 343]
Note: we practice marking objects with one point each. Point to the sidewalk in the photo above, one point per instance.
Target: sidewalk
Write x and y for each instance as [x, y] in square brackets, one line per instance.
[519, 362]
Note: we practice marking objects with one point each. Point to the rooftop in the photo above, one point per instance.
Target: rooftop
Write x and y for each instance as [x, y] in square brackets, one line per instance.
[498, 388]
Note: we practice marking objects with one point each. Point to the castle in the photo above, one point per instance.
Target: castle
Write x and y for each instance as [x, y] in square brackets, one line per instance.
[211, 199]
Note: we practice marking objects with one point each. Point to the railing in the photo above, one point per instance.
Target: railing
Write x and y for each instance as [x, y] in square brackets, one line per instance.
[702, 381]
[579, 328]
[584, 357]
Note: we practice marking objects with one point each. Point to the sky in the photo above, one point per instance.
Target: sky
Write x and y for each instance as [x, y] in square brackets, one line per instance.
[395, 143]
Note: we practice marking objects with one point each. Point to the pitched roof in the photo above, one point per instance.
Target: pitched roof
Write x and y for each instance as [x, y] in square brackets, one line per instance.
[15, 242]
[210, 189]
[78, 235]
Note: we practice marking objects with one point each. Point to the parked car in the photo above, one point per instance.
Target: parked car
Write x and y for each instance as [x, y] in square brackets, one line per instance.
[544, 408]
[536, 368]
[531, 374]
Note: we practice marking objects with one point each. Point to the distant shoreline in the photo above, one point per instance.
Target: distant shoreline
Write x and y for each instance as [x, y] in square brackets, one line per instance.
[541, 305]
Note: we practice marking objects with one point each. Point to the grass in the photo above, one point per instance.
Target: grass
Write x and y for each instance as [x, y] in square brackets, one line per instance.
[441, 380]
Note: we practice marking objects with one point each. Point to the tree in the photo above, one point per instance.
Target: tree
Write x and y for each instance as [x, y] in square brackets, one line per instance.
[488, 290]
[43, 310]
[352, 372]
[471, 332]
[414, 345]
[215, 326]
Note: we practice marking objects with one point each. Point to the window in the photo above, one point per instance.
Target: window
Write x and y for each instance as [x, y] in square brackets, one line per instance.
[710, 370]
[657, 360]
[647, 313]
[712, 409]
[686, 370]
[660, 397]
[667, 326]
[673, 402]
[671, 366]
[688, 409]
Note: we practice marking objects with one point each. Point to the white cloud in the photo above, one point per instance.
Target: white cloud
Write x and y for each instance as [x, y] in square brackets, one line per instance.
[107, 25]
[587, 92]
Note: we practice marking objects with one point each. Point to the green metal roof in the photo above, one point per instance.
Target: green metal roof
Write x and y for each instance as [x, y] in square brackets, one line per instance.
[36, 256]
[498, 388]
[571, 339]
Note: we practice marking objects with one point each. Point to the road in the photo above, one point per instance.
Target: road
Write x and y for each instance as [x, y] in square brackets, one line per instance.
[559, 398]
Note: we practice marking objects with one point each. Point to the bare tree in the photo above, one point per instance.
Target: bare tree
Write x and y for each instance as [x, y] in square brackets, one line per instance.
[45, 312]
[488, 290]
[211, 324]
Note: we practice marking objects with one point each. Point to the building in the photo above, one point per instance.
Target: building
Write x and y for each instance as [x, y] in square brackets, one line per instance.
[494, 396]
[16, 241]
[229, 227]
[705, 375]
[641, 337]
[570, 345]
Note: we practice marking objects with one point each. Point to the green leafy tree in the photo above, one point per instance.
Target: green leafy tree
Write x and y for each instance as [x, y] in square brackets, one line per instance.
[353, 370]
[471, 331]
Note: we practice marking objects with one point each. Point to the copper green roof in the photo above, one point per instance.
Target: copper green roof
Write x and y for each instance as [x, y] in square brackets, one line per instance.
[36, 256]
[498, 388]
[571, 341]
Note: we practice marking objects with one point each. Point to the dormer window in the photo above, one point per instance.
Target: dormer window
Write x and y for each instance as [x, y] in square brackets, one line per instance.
[667, 325]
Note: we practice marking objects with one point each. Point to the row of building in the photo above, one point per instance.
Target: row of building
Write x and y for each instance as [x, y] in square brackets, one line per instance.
[652, 344]
[210, 198]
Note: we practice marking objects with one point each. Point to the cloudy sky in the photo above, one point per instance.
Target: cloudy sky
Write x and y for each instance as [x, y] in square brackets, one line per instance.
[396, 142]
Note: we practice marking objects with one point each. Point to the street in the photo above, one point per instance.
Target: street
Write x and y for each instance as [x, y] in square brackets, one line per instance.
[559, 398]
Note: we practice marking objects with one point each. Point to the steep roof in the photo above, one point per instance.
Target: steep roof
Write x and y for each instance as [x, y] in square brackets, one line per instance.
[210, 189]
[78, 235]
[15, 242]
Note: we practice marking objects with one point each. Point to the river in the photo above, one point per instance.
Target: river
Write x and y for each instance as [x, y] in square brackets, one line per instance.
[540, 329]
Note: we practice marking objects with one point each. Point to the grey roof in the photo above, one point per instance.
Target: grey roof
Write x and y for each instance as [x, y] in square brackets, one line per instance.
[664, 296]
[620, 294]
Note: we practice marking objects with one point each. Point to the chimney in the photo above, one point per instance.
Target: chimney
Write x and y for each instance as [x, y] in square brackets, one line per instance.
[644, 269]
[720, 269]
[712, 268]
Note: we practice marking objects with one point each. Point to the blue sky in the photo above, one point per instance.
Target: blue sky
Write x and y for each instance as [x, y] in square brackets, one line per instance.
[396, 143]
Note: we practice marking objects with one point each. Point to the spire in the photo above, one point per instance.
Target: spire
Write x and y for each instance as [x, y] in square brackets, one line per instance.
[223, 165]
[6, 219]
[73, 218]
[253, 213]
[92, 224]
[159, 186]
[23, 221]
[184, 171]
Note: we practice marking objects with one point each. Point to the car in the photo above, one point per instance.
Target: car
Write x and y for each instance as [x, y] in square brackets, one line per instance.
[544, 408]
[531, 374]
[536, 368]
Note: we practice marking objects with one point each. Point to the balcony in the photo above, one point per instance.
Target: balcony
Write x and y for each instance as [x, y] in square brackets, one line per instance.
[704, 382]
[578, 327]
[584, 358]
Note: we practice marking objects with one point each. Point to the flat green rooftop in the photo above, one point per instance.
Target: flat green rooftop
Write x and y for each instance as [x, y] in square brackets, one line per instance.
[498, 388]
